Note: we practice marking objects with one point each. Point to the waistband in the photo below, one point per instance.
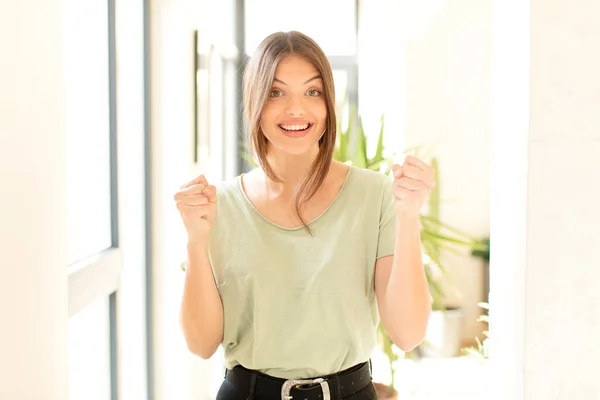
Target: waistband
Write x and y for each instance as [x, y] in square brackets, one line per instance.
[335, 386]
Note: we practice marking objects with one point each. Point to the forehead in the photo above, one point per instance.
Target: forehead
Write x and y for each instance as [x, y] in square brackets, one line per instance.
[293, 67]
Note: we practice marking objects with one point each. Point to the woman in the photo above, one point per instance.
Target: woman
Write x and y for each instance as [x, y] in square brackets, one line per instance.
[305, 255]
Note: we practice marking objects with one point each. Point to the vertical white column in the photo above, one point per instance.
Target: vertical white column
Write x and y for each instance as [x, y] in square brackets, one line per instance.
[130, 131]
[33, 273]
[172, 56]
[508, 208]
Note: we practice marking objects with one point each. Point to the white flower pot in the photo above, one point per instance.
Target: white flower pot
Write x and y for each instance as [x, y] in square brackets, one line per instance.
[444, 333]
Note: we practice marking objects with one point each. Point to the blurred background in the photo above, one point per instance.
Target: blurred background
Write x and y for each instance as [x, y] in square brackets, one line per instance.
[108, 106]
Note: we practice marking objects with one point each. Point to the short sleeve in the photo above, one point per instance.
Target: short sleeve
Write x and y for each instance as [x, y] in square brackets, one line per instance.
[387, 220]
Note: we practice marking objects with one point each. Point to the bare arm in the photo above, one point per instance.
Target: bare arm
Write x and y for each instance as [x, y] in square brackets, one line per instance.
[400, 281]
[401, 288]
[201, 315]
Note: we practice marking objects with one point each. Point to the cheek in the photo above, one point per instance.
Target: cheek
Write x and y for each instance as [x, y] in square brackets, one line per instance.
[268, 120]
[320, 111]
[268, 115]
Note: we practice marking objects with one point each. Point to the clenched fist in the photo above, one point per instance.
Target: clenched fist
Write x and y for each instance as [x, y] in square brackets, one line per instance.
[197, 204]
[413, 181]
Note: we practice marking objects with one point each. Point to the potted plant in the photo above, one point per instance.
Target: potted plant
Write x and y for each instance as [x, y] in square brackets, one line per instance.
[436, 236]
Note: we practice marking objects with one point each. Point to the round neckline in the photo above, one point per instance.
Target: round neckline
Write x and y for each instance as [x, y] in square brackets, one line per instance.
[240, 186]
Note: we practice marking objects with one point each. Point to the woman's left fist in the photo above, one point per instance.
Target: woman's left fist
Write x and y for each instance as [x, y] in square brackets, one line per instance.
[413, 182]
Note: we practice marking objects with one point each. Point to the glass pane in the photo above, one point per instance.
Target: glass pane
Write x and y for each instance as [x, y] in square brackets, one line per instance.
[87, 124]
[230, 120]
[203, 92]
[340, 78]
[89, 353]
[216, 113]
[333, 26]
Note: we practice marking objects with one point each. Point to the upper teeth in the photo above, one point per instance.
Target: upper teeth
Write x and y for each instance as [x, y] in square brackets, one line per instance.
[294, 127]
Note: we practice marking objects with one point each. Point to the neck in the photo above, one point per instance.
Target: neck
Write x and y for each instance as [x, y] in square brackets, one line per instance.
[291, 169]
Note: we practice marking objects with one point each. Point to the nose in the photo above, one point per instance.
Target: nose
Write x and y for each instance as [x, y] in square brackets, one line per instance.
[295, 106]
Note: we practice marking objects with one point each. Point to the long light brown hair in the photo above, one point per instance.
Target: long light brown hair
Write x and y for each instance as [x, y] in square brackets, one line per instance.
[257, 83]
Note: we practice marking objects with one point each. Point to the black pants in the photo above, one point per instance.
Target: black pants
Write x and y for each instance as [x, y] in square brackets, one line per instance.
[228, 391]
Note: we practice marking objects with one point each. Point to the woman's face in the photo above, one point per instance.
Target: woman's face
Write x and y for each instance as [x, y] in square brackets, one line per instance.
[294, 118]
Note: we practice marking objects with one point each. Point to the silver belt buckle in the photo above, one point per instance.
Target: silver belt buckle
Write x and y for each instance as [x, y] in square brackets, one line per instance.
[290, 383]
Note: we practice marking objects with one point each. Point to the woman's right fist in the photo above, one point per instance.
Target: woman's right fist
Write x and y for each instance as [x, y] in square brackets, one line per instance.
[197, 204]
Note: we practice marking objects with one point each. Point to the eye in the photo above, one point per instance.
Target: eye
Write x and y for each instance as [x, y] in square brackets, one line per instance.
[313, 93]
[275, 93]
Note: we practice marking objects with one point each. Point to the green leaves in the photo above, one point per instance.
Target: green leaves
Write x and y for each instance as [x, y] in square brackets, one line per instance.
[352, 143]
[481, 351]
[437, 237]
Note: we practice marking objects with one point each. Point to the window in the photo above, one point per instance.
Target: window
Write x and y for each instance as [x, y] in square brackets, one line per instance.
[89, 352]
[94, 262]
[333, 26]
[88, 139]
[215, 97]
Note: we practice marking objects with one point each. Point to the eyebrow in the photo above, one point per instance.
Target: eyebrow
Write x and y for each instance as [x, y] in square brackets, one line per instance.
[311, 79]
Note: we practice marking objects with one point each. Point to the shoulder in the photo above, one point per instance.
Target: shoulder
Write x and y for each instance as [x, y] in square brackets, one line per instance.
[228, 193]
[227, 188]
[368, 180]
[371, 191]
[229, 204]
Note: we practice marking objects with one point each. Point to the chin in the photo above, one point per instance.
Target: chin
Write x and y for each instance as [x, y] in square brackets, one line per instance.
[296, 149]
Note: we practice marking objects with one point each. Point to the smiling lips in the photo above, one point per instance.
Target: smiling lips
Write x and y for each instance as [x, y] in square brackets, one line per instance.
[296, 129]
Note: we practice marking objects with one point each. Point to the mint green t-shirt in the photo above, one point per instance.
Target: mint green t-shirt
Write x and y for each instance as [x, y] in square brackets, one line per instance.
[298, 306]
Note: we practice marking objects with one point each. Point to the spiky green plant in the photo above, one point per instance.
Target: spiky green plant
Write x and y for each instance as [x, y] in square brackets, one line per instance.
[481, 351]
[437, 237]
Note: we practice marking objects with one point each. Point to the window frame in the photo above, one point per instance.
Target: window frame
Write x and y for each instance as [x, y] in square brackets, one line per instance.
[98, 276]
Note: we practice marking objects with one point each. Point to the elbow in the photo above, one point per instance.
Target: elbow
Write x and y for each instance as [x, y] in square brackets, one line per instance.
[407, 345]
[406, 340]
[203, 351]
[409, 339]
[201, 344]
[202, 347]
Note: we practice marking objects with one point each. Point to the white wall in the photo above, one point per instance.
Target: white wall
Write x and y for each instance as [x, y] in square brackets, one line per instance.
[33, 279]
[563, 232]
[426, 65]
[178, 374]
[171, 122]
[545, 301]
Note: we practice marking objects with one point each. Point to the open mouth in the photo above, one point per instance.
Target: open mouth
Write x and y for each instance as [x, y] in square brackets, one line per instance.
[296, 128]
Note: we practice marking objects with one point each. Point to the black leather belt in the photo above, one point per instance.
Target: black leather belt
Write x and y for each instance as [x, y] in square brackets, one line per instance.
[336, 386]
